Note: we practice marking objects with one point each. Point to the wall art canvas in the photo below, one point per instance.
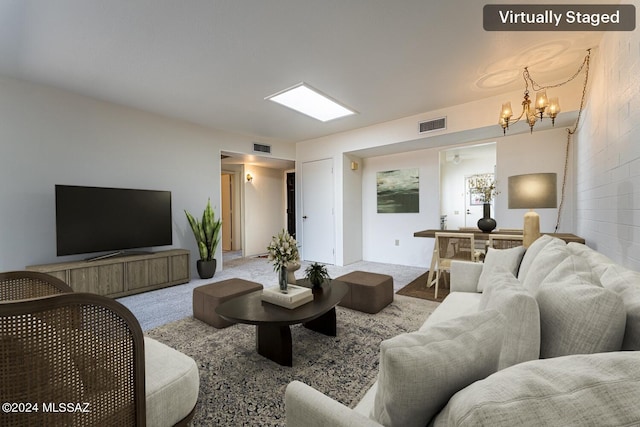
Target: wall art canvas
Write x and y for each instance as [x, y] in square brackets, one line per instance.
[398, 191]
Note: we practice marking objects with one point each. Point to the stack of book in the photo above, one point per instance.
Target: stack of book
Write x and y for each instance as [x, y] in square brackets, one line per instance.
[295, 296]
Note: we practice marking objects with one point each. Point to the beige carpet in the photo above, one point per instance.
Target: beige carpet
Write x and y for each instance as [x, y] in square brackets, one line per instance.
[238, 387]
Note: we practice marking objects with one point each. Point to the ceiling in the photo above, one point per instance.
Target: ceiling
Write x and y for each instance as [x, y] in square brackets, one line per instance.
[212, 62]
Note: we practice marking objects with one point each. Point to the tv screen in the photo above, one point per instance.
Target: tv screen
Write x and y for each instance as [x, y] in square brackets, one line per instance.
[96, 219]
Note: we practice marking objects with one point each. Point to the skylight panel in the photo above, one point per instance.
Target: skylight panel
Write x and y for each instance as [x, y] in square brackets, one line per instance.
[309, 101]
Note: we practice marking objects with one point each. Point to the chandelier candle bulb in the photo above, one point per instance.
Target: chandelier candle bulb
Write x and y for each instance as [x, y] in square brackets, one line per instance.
[542, 102]
[554, 109]
[506, 110]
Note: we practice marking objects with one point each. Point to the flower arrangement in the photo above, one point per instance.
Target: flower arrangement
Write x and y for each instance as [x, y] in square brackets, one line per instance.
[484, 186]
[283, 249]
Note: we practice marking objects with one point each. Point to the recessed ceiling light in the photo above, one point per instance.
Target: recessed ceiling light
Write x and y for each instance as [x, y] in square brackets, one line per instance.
[307, 100]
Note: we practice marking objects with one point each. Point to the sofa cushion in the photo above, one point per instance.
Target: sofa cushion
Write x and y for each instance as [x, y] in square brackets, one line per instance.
[508, 259]
[172, 384]
[548, 259]
[520, 309]
[626, 283]
[572, 269]
[579, 390]
[597, 261]
[578, 317]
[532, 252]
[420, 371]
[454, 305]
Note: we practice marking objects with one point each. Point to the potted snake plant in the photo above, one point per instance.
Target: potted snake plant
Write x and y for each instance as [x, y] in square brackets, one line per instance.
[207, 234]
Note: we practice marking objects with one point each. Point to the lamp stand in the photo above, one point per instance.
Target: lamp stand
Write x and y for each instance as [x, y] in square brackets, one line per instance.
[531, 230]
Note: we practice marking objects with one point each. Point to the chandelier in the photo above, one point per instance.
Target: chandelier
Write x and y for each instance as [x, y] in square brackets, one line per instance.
[544, 106]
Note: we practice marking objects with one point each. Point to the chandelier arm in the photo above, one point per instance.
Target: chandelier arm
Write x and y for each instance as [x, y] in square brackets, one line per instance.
[570, 133]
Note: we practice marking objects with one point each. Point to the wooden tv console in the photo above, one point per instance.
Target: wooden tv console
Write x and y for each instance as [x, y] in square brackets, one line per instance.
[123, 275]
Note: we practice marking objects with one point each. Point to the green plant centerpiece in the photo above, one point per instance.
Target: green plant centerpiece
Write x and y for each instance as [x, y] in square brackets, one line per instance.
[316, 274]
[207, 234]
[283, 252]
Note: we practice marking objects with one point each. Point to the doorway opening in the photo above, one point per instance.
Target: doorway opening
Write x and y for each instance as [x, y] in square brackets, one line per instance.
[291, 203]
[458, 209]
[258, 201]
[226, 193]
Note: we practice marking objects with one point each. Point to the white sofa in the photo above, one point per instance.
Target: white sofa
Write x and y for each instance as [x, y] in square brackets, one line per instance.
[550, 337]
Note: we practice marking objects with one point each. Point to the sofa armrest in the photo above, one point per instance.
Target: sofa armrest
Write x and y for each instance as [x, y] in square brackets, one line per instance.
[307, 407]
[465, 275]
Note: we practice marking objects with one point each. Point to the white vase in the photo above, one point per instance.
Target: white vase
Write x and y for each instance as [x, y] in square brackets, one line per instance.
[292, 266]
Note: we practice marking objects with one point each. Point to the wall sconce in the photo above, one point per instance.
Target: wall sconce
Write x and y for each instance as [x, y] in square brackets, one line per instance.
[354, 166]
[534, 190]
[249, 178]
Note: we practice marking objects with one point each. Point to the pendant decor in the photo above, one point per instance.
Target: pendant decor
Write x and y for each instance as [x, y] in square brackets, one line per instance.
[282, 279]
[486, 223]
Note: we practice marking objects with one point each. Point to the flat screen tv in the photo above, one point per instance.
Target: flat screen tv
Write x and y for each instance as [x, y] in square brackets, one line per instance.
[97, 219]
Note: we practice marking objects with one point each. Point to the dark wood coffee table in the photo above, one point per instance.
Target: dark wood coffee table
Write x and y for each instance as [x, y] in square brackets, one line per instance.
[273, 333]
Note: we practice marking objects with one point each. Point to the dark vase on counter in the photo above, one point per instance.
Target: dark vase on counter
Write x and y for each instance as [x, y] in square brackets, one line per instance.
[486, 223]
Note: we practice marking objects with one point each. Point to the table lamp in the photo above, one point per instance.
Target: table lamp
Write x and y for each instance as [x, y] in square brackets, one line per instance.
[532, 191]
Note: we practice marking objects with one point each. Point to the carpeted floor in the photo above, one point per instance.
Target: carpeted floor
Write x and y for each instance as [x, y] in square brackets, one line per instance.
[417, 289]
[238, 387]
[155, 308]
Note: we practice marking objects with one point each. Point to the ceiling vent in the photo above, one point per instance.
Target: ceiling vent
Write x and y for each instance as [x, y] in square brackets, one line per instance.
[432, 125]
[261, 148]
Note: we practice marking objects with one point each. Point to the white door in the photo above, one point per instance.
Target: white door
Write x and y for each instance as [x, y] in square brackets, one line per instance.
[473, 210]
[317, 212]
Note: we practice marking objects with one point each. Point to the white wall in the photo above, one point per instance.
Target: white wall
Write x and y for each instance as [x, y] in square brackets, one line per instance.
[540, 152]
[380, 231]
[352, 212]
[608, 152]
[463, 122]
[263, 206]
[49, 137]
[517, 154]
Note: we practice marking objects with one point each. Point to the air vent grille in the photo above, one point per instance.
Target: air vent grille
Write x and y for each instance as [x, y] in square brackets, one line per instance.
[432, 125]
[261, 148]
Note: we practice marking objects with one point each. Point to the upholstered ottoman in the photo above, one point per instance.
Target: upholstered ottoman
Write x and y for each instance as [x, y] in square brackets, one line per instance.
[368, 292]
[207, 297]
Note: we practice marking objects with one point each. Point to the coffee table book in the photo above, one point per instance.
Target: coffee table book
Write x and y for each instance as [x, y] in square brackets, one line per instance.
[295, 296]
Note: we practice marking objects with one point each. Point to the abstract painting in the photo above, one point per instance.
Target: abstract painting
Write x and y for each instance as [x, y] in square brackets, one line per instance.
[398, 191]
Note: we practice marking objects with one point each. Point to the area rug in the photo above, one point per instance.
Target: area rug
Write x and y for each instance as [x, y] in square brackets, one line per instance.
[418, 289]
[239, 387]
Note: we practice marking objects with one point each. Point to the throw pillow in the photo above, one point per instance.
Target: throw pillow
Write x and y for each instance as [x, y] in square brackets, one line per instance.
[548, 259]
[626, 283]
[573, 268]
[580, 390]
[506, 258]
[533, 251]
[597, 261]
[579, 318]
[520, 309]
[420, 371]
